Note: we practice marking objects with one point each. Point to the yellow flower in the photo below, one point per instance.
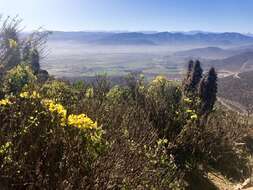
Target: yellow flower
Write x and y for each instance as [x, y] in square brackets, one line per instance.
[189, 111]
[81, 121]
[24, 95]
[89, 93]
[187, 100]
[5, 102]
[194, 116]
[56, 108]
[35, 94]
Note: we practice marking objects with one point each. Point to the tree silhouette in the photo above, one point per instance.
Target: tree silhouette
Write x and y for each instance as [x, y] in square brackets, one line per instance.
[208, 91]
[193, 77]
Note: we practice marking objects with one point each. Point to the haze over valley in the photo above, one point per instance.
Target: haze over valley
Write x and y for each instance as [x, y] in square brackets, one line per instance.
[85, 54]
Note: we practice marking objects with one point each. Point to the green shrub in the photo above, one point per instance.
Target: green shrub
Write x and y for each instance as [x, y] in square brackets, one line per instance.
[61, 92]
[117, 94]
[17, 78]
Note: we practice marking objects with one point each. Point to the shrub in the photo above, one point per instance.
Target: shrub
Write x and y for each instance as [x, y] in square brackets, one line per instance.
[42, 145]
[17, 78]
[61, 92]
[118, 94]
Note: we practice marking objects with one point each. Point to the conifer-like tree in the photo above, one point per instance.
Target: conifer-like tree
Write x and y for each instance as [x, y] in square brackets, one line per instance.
[196, 75]
[193, 77]
[208, 91]
[187, 77]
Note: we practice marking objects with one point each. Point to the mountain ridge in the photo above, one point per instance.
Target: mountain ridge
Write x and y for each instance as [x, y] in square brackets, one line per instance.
[159, 38]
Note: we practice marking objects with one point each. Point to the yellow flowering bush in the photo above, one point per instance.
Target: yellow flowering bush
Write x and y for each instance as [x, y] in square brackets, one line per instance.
[39, 129]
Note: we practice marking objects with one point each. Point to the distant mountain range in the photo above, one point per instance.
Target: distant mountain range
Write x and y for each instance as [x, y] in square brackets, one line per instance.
[156, 38]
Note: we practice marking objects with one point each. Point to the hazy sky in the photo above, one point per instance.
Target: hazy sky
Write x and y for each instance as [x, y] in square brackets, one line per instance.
[133, 15]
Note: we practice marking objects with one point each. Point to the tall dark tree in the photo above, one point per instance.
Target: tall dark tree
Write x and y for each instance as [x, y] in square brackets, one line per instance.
[190, 67]
[193, 77]
[187, 76]
[208, 91]
[196, 75]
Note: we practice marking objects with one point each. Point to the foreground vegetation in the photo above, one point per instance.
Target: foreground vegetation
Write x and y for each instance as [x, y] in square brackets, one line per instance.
[160, 134]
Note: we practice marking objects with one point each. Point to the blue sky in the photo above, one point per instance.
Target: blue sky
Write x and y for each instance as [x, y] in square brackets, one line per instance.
[133, 15]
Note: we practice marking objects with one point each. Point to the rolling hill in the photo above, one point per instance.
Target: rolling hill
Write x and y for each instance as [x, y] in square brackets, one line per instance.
[236, 63]
[207, 52]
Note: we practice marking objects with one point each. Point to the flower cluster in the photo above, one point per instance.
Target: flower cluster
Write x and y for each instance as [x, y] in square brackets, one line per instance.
[56, 108]
[81, 121]
[187, 100]
[192, 113]
[5, 102]
[32, 95]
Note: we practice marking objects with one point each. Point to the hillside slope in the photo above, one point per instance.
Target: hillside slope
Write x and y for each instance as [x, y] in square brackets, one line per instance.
[238, 89]
[236, 63]
[208, 52]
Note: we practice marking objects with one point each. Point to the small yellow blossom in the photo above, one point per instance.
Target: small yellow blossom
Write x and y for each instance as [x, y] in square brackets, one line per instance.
[5, 147]
[89, 93]
[5, 102]
[187, 100]
[189, 111]
[35, 94]
[24, 95]
[194, 116]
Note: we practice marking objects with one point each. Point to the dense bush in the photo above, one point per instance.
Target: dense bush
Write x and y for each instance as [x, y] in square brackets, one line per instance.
[42, 145]
[17, 78]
